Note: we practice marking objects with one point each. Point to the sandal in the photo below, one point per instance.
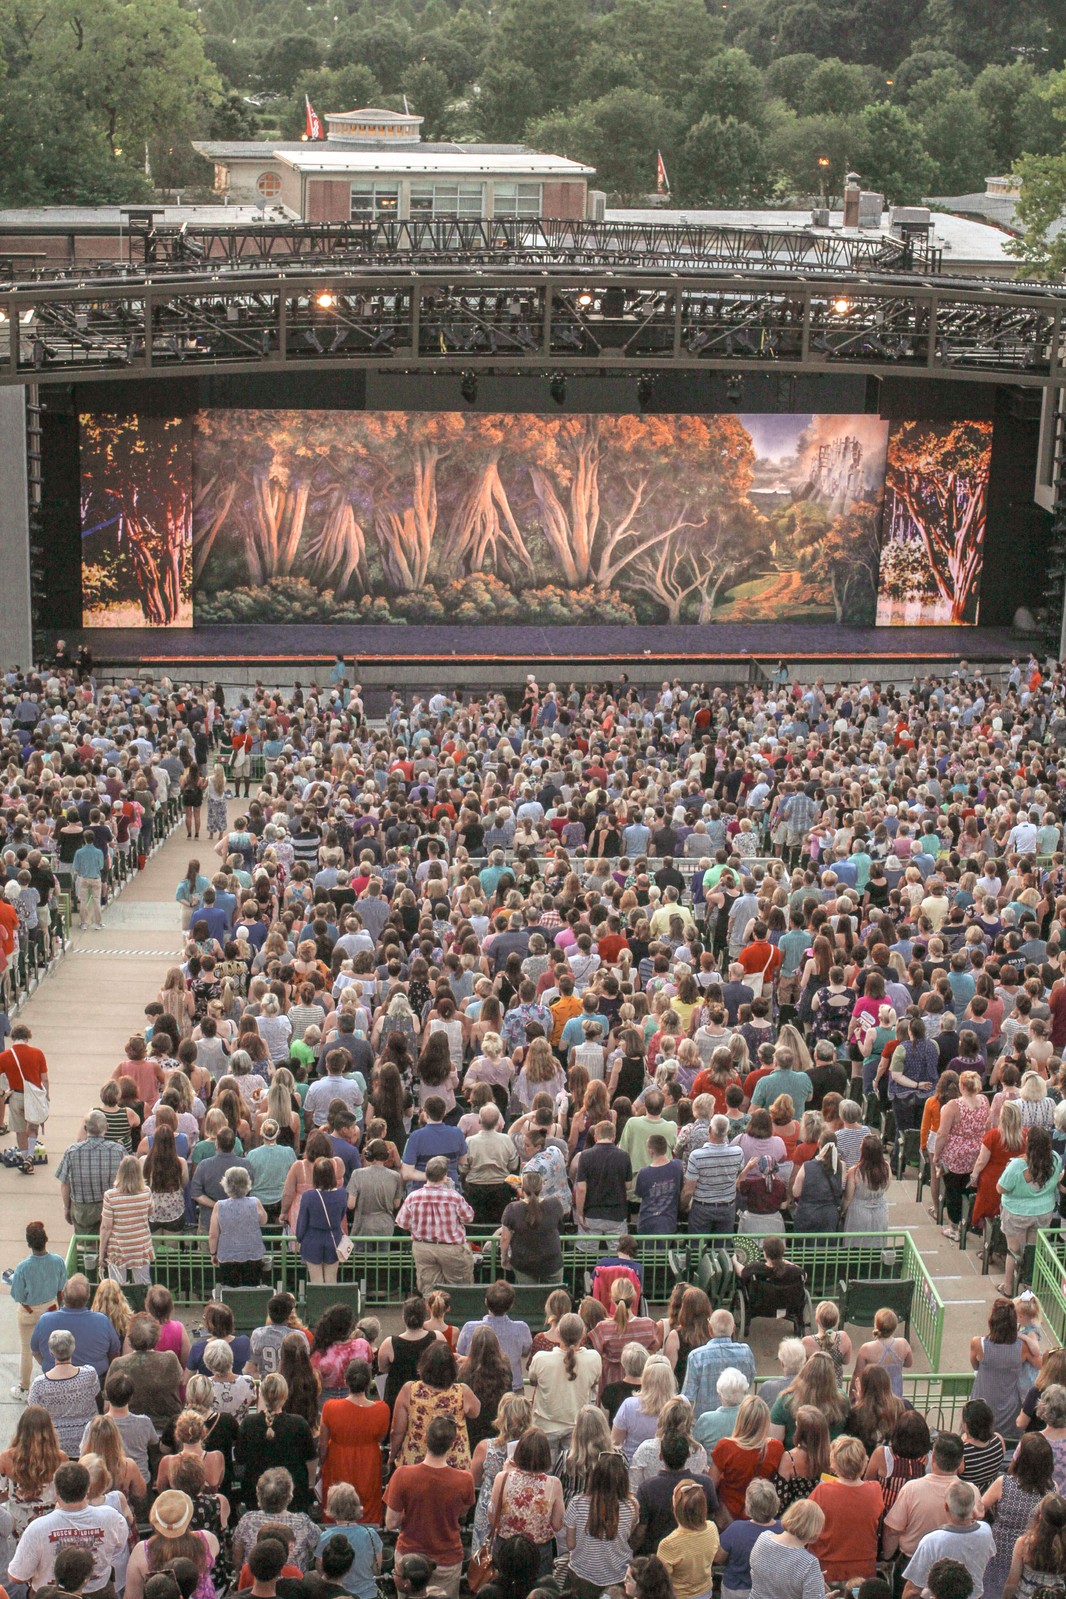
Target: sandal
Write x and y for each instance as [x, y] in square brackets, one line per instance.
[1001, 1290]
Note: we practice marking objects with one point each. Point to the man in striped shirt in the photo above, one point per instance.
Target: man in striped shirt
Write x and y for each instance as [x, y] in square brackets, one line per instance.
[711, 1181]
[437, 1216]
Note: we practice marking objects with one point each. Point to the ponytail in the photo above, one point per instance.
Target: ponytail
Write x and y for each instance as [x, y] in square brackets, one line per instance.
[622, 1295]
[532, 1183]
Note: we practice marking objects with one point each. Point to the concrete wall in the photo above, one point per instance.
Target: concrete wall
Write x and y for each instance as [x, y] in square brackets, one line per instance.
[16, 643]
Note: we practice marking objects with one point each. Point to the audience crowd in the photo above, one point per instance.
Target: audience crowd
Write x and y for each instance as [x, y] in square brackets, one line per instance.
[599, 963]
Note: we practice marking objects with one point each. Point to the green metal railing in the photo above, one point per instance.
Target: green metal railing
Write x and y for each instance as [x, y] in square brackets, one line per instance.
[384, 1267]
[1049, 1280]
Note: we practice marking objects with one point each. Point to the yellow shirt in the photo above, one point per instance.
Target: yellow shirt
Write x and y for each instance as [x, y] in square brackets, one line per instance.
[689, 1558]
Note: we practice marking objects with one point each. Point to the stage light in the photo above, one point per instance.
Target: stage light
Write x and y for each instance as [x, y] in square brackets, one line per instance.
[468, 387]
[842, 306]
[325, 301]
[586, 299]
[734, 388]
[645, 390]
[557, 387]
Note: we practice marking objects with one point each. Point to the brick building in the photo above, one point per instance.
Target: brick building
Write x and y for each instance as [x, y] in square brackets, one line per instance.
[374, 166]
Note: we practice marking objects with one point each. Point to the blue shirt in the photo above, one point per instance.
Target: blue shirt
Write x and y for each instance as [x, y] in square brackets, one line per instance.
[514, 1337]
[38, 1279]
[88, 861]
[706, 1365]
[738, 1540]
[359, 1580]
[96, 1343]
[436, 1138]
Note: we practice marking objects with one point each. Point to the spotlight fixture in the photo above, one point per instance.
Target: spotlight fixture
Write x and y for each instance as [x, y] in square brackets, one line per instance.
[586, 299]
[468, 387]
[841, 306]
[734, 388]
[645, 390]
[326, 300]
[557, 387]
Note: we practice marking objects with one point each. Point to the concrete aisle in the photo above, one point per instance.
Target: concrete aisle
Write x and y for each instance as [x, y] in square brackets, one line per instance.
[81, 1015]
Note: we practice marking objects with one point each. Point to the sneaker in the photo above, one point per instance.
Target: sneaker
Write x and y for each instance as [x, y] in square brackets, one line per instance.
[28, 1167]
[7, 1276]
[20, 1393]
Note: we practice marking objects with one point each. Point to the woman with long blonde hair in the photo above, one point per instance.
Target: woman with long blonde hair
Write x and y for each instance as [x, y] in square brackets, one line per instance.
[111, 1302]
[590, 1438]
[750, 1452]
[103, 1438]
[636, 1417]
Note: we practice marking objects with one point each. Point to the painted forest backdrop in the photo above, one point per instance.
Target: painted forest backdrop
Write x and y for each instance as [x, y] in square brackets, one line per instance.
[437, 517]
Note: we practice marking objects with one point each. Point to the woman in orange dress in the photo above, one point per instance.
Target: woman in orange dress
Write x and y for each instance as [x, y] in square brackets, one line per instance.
[349, 1441]
[999, 1146]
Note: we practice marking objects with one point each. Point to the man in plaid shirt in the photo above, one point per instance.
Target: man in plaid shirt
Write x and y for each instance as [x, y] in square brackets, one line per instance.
[437, 1216]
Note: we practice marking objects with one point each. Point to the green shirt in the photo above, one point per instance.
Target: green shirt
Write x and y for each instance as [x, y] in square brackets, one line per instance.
[797, 1085]
[206, 1148]
[270, 1163]
[781, 1415]
[637, 1131]
[1020, 1198]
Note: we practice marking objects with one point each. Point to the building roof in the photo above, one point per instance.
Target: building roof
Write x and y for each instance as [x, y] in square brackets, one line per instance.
[268, 149]
[111, 216]
[460, 160]
[1001, 210]
[962, 239]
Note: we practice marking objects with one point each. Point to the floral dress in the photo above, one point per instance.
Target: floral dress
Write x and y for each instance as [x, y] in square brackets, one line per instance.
[495, 1455]
[424, 1405]
[525, 1506]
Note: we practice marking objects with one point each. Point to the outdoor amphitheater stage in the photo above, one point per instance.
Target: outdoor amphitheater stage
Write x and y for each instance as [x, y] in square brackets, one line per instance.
[417, 657]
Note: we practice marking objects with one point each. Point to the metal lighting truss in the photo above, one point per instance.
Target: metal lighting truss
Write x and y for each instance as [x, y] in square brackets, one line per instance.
[444, 318]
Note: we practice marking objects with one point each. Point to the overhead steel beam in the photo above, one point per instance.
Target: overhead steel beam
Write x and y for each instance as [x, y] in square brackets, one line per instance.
[510, 318]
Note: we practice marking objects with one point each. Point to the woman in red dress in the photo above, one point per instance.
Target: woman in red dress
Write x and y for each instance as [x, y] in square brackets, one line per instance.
[350, 1441]
[999, 1145]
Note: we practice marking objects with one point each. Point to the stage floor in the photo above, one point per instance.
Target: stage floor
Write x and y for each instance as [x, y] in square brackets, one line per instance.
[548, 646]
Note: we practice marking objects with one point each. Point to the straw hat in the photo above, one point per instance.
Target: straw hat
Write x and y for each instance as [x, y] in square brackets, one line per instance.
[171, 1514]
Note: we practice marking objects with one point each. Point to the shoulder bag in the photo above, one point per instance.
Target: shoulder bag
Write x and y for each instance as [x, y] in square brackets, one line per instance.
[341, 1241]
[35, 1106]
[481, 1568]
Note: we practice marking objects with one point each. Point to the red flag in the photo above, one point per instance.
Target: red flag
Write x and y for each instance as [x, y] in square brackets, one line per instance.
[314, 126]
[662, 182]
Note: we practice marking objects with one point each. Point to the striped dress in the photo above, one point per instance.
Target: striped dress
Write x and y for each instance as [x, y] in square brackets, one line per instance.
[130, 1243]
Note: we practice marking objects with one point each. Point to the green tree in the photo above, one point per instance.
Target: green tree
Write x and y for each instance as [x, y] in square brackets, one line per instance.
[341, 89]
[723, 162]
[233, 62]
[835, 88]
[918, 68]
[954, 134]
[795, 145]
[507, 101]
[890, 155]
[134, 65]
[445, 49]
[617, 134]
[385, 49]
[287, 59]
[667, 39]
[729, 85]
[787, 77]
[547, 38]
[982, 31]
[1020, 112]
[427, 92]
[603, 68]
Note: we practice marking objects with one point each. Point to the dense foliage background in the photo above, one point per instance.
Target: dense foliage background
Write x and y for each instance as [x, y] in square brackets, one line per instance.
[742, 96]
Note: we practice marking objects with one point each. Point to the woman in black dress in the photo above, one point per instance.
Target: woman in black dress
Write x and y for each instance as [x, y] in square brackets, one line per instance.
[399, 1355]
[192, 799]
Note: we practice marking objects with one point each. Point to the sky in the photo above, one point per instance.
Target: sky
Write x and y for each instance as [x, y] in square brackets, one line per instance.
[775, 434]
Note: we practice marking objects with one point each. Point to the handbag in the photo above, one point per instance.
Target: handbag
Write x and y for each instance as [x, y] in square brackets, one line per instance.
[757, 981]
[481, 1568]
[35, 1106]
[342, 1243]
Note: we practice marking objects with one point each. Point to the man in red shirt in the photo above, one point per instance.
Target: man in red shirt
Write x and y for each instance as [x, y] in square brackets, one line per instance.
[9, 926]
[760, 958]
[20, 1064]
[426, 1503]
